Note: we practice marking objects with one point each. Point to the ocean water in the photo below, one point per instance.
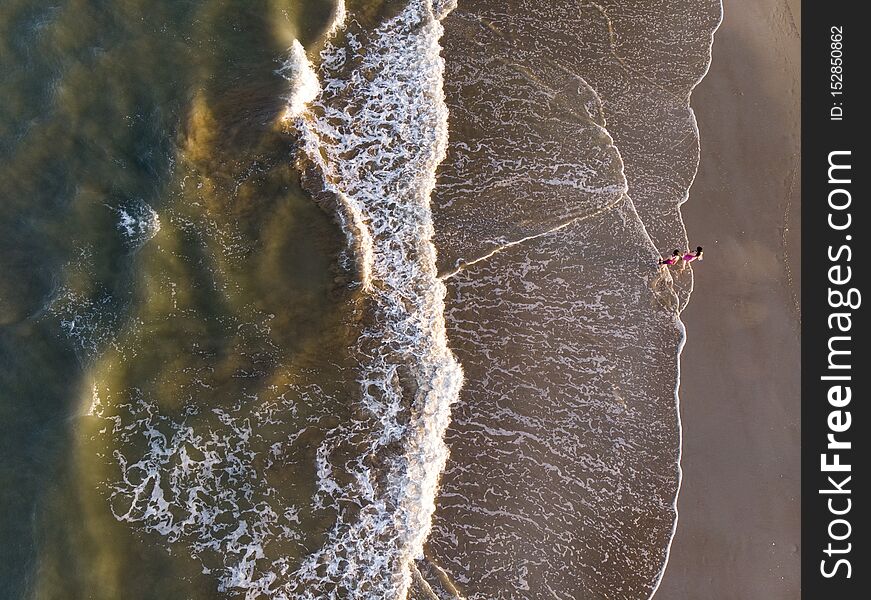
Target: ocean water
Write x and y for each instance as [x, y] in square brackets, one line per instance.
[342, 298]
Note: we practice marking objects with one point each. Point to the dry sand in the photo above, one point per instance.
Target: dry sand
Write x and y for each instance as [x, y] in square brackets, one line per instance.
[738, 534]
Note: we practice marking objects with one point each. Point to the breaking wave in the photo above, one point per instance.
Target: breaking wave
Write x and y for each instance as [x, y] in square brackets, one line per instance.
[373, 139]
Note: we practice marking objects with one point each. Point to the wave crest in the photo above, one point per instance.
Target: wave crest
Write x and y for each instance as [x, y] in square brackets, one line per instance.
[375, 135]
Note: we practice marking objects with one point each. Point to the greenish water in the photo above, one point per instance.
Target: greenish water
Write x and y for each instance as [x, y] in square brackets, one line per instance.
[114, 113]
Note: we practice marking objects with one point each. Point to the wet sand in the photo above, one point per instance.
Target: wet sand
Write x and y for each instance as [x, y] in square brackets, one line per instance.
[738, 532]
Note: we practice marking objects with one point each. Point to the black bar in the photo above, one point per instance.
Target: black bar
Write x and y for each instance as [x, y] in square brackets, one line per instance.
[834, 261]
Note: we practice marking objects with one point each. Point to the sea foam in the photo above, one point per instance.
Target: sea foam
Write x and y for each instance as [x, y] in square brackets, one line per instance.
[376, 134]
[304, 86]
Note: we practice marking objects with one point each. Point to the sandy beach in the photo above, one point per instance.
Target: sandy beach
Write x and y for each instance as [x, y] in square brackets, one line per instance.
[738, 533]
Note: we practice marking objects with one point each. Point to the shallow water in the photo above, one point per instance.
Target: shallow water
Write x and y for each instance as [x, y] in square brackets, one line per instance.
[251, 251]
[554, 202]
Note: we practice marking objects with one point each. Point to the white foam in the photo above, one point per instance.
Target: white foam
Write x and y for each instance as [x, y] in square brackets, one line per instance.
[138, 223]
[198, 486]
[304, 85]
[380, 164]
[340, 16]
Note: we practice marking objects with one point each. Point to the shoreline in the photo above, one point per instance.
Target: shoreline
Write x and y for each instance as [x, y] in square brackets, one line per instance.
[683, 327]
[737, 531]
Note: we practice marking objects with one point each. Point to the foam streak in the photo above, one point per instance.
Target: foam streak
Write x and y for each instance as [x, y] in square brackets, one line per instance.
[376, 134]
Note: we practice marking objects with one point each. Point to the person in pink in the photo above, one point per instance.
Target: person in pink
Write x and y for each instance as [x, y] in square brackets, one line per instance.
[689, 257]
[675, 256]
